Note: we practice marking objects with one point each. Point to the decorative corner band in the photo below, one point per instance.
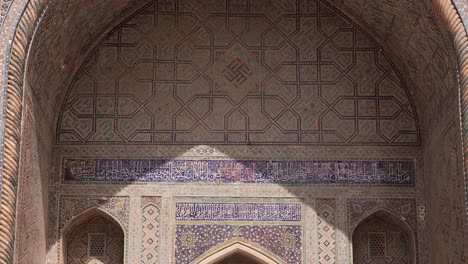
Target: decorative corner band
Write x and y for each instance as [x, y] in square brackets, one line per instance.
[341, 172]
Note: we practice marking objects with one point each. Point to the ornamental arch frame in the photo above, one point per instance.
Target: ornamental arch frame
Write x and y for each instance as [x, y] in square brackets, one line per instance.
[237, 246]
[13, 81]
[74, 223]
[393, 219]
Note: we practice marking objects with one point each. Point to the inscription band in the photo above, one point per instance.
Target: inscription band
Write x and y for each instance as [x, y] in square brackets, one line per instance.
[368, 172]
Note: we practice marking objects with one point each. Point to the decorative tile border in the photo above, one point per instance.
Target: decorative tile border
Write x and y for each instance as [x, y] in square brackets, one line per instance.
[370, 172]
[282, 212]
[4, 8]
[284, 241]
[150, 230]
[404, 208]
[361, 208]
[326, 231]
[202, 226]
[73, 205]
[462, 6]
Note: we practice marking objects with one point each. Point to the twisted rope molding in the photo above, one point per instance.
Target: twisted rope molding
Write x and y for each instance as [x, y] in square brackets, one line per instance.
[14, 98]
[13, 117]
[454, 24]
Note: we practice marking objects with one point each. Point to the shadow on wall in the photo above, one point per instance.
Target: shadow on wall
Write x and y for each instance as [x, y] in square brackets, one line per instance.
[202, 224]
[259, 86]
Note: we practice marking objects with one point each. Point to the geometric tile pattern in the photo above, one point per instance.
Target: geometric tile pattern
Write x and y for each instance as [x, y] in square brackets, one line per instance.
[284, 241]
[370, 172]
[4, 10]
[72, 206]
[326, 225]
[150, 237]
[360, 208]
[271, 72]
[196, 235]
[77, 244]
[380, 242]
[462, 7]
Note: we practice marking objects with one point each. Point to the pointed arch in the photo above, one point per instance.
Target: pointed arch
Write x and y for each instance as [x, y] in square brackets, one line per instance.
[236, 246]
[382, 221]
[382, 210]
[86, 216]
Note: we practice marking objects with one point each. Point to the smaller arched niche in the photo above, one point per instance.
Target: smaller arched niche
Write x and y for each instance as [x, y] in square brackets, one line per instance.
[237, 252]
[93, 238]
[383, 238]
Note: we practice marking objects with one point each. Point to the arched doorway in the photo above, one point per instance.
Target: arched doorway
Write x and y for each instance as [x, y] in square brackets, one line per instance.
[237, 252]
[94, 238]
[431, 196]
[238, 258]
[383, 238]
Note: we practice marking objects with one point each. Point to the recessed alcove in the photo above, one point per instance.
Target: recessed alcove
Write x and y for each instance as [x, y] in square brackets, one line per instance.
[278, 123]
[93, 237]
[383, 238]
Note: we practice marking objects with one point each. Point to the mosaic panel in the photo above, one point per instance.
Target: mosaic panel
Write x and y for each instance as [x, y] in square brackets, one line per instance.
[379, 172]
[380, 242]
[462, 6]
[404, 209]
[150, 237]
[112, 252]
[284, 241]
[361, 208]
[326, 227]
[286, 72]
[72, 206]
[205, 231]
[4, 8]
[238, 212]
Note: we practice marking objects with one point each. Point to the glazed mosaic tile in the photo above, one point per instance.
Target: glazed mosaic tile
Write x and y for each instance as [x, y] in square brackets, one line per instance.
[373, 172]
[462, 6]
[284, 241]
[235, 75]
[238, 212]
[326, 232]
[362, 208]
[201, 227]
[4, 8]
[150, 230]
[112, 250]
[73, 205]
[403, 209]
[202, 74]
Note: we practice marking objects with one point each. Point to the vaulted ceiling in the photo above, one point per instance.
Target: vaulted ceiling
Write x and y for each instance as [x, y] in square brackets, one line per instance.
[409, 31]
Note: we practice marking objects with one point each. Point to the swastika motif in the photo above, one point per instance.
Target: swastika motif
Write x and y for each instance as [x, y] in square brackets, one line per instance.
[270, 72]
[237, 72]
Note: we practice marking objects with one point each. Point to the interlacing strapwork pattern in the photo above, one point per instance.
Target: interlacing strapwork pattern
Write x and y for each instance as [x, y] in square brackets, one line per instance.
[326, 225]
[238, 72]
[108, 246]
[150, 235]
